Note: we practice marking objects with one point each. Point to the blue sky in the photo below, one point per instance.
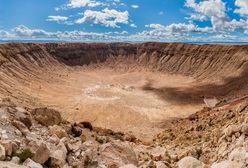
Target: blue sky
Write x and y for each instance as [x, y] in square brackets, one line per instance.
[125, 20]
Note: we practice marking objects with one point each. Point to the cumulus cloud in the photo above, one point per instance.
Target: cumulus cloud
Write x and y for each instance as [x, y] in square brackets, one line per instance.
[215, 10]
[242, 7]
[106, 17]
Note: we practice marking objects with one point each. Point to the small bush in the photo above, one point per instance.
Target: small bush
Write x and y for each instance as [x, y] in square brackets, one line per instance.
[25, 154]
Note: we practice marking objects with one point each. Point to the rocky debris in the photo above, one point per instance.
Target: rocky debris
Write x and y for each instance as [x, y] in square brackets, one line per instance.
[47, 116]
[215, 138]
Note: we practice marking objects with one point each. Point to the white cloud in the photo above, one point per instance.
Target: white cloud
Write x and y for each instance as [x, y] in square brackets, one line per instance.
[243, 7]
[135, 6]
[57, 18]
[215, 10]
[83, 3]
[133, 25]
[106, 17]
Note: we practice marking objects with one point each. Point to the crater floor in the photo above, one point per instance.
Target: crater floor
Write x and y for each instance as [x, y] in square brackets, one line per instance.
[111, 99]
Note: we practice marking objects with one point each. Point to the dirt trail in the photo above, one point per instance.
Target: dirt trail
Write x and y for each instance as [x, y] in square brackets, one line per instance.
[124, 87]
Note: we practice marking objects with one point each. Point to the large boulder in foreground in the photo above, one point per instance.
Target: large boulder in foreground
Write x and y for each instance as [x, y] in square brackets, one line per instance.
[47, 116]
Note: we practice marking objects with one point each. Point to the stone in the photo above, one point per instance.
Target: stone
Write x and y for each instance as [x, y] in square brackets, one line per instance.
[227, 164]
[160, 164]
[22, 115]
[15, 160]
[239, 155]
[8, 146]
[58, 156]
[231, 129]
[11, 165]
[2, 153]
[244, 129]
[39, 150]
[21, 127]
[57, 130]
[129, 166]
[31, 164]
[47, 116]
[190, 162]
[118, 153]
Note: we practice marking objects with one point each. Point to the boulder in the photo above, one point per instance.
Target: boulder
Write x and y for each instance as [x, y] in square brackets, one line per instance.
[190, 162]
[57, 130]
[58, 156]
[31, 164]
[2, 153]
[11, 165]
[39, 150]
[227, 164]
[8, 146]
[47, 116]
[118, 153]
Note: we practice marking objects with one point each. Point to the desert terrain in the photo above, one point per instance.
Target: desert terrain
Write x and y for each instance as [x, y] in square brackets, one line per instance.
[144, 90]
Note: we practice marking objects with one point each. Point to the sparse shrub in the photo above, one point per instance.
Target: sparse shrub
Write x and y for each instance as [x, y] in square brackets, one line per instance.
[23, 155]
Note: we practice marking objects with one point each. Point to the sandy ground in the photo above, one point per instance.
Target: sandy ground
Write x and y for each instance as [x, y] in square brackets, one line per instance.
[109, 99]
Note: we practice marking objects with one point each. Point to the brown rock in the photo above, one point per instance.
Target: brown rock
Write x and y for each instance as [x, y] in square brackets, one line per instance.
[39, 150]
[8, 146]
[59, 131]
[46, 116]
[2, 153]
[118, 153]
